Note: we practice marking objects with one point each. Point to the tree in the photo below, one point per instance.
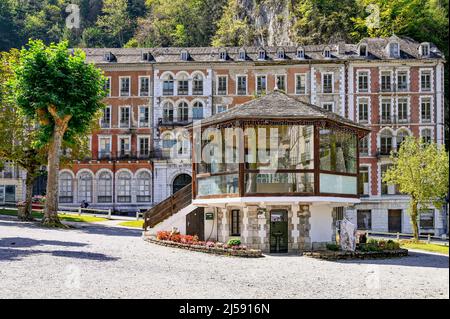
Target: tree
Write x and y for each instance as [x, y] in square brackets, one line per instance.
[115, 22]
[59, 90]
[420, 170]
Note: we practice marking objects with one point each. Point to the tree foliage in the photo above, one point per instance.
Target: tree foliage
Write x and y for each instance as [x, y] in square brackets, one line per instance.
[420, 170]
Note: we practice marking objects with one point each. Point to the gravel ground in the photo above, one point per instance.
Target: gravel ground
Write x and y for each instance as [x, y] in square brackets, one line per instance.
[97, 261]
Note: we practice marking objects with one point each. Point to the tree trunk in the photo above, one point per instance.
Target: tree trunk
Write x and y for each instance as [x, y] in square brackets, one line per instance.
[414, 215]
[27, 213]
[51, 203]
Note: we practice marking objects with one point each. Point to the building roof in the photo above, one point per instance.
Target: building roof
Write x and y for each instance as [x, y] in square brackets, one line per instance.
[376, 47]
[278, 106]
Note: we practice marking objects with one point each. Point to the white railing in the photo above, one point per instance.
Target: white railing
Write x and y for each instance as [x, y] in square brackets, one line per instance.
[398, 234]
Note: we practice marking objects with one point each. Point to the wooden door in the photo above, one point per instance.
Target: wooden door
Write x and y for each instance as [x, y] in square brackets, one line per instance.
[395, 220]
[195, 223]
[278, 231]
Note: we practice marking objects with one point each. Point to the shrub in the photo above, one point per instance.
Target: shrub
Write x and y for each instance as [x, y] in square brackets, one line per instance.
[233, 242]
[333, 247]
[162, 235]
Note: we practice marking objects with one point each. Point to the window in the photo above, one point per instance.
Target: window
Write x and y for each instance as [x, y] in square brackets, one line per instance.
[300, 84]
[385, 111]
[235, 223]
[182, 145]
[183, 85]
[223, 55]
[261, 55]
[241, 85]
[385, 142]
[104, 147]
[402, 110]
[184, 55]
[363, 50]
[221, 108]
[85, 187]
[425, 49]
[108, 86]
[425, 81]
[363, 183]
[281, 82]
[144, 147]
[105, 121]
[402, 81]
[197, 111]
[125, 86]
[168, 85]
[144, 116]
[401, 135]
[144, 86]
[327, 83]
[364, 146]
[338, 151]
[363, 81]
[124, 187]
[198, 85]
[124, 146]
[261, 84]
[143, 187]
[168, 112]
[326, 53]
[242, 55]
[394, 50]
[363, 111]
[386, 81]
[426, 135]
[425, 110]
[280, 54]
[168, 141]
[183, 112]
[328, 106]
[385, 188]
[364, 219]
[300, 53]
[104, 191]
[124, 121]
[65, 188]
[222, 85]
[7, 193]
[426, 219]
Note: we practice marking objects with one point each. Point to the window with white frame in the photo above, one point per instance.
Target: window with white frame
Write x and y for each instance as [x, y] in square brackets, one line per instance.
[425, 81]
[386, 111]
[425, 110]
[220, 108]
[183, 85]
[261, 84]
[183, 112]
[184, 55]
[108, 86]
[124, 144]
[327, 83]
[425, 134]
[242, 55]
[327, 53]
[364, 146]
[425, 49]
[363, 183]
[125, 86]
[402, 110]
[223, 55]
[363, 50]
[300, 84]
[300, 53]
[104, 147]
[281, 82]
[328, 106]
[144, 116]
[280, 54]
[105, 121]
[197, 111]
[385, 81]
[168, 85]
[124, 187]
[197, 85]
[124, 116]
[85, 187]
[144, 86]
[426, 219]
[261, 55]
[222, 85]
[363, 110]
[168, 112]
[144, 146]
[402, 81]
[182, 145]
[363, 81]
[104, 187]
[168, 141]
[401, 135]
[65, 188]
[241, 85]
[385, 142]
[364, 219]
[143, 187]
[394, 50]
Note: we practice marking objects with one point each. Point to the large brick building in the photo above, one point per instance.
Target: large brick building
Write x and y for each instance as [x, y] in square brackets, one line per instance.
[140, 157]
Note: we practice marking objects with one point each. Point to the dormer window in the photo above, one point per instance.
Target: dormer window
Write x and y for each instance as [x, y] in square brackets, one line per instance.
[147, 56]
[280, 54]
[424, 49]
[223, 55]
[261, 55]
[109, 57]
[242, 55]
[184, 55]
[300, 53]
[394, 50]
[363, 50]
[327, 53]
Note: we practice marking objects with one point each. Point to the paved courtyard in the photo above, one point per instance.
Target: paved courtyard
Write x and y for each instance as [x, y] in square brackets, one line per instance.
[98, 261]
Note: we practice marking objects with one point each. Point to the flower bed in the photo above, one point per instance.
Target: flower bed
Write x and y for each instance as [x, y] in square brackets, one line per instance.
[192, 243]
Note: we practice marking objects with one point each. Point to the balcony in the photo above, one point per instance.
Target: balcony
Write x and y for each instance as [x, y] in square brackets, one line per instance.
[384, 151]
[385, 120]
[168, 122]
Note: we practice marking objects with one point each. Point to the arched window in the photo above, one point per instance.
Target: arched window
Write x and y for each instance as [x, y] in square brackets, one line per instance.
[197, 111]
[168, 85]
[180, 181]
[104, 191]
[124, 187]
[168, 141]
[143, 187]
[168, 112]
[401, 135]
[197, 83]
[85, 187]
[183, 112]
[65, 188]
[385, 142]
[183, 84]
[426, 135]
